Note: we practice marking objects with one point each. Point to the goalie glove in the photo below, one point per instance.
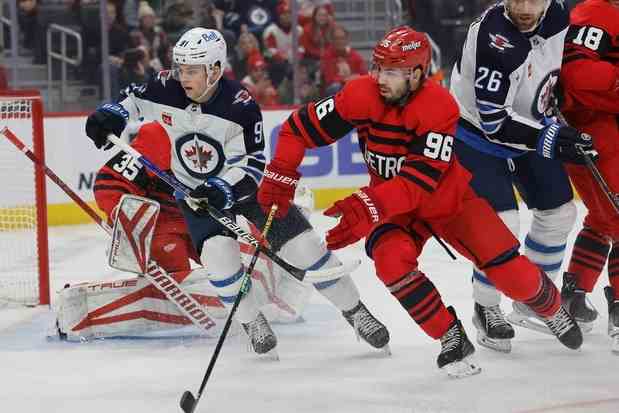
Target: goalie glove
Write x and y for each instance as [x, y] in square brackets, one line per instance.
[214, 192]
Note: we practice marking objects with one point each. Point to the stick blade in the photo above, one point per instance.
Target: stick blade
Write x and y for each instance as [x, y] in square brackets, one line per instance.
[188, 402]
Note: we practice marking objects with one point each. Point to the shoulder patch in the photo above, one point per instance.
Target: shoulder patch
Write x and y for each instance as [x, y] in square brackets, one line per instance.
[500, 42]
[242, 96]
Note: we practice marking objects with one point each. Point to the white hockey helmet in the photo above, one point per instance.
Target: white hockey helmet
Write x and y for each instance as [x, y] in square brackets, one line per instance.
[200, 46]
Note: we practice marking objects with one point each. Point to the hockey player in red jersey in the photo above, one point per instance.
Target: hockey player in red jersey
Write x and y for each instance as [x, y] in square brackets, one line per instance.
[590, 83]
[208, 131]
[406, 124]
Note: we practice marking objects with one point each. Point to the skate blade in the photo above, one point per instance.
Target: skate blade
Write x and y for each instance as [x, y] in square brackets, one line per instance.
[614, 347]
[271, 355]
[463, 368]
[520, 320]
[385, 350]
[585, 327]
[501, 345]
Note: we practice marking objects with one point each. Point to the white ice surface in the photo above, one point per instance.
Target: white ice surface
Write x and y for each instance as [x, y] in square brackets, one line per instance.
[322, 367]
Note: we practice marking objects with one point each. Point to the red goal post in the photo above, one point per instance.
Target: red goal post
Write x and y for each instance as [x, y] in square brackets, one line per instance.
[24, 257]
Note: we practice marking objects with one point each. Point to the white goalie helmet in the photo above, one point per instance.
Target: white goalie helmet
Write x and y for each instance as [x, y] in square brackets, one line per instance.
[200, 46]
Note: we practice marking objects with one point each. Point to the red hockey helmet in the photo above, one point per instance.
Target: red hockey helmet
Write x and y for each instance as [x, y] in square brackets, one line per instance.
[403, 48]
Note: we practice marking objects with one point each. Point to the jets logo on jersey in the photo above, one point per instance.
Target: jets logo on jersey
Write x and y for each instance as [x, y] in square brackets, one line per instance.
[242, 96]
[500, 42]
[200, 155]
[544, 95]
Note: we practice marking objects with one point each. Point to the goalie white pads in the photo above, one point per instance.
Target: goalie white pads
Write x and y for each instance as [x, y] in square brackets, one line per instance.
[134, 225]
[132, 307]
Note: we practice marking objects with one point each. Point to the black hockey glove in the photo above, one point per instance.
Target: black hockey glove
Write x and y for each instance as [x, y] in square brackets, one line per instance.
[108, 118]
[214, 192]
[566, 144]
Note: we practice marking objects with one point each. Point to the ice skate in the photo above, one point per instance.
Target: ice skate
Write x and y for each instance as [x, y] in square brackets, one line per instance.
[613, 319]
[493, 331]
[576, 303]
[523, 316]
[262, 338]
[368, 328]
[456, 357]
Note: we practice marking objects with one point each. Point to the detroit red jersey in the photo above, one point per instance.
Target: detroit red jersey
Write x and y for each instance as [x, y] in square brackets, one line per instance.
[590, 71]
[407, 149]
[122, 174]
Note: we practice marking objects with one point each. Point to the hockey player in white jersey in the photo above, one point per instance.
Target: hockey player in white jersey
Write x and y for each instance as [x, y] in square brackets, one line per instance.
[503, 83]
[207, 130]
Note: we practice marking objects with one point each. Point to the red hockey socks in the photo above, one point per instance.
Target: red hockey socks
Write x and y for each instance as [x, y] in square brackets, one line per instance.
[588, 258]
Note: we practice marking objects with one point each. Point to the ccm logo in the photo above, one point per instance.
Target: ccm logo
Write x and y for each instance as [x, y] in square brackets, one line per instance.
[274, 176]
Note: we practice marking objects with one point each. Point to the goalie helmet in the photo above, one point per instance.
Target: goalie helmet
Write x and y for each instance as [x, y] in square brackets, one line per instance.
[403, 48]
[200, 46]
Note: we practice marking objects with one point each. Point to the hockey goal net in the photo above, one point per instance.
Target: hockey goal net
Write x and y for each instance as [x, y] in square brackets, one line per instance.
[24, 269]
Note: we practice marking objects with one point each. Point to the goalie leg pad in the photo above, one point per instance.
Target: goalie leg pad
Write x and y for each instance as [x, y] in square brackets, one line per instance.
[131, 307]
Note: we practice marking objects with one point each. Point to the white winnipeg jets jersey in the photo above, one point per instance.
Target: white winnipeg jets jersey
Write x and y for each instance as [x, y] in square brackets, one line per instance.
[504, 80]
[222, 137]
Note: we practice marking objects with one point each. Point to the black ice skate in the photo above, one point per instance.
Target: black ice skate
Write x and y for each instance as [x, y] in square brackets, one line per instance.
[575, 302]
[493, 331]
[456, 356]
[368, 328]
[261, 336]
[613, 319]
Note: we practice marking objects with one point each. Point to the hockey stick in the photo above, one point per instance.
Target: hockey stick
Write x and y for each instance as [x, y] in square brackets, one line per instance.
[156, 275]
[612, 197]
[188, 402]
[312, 276]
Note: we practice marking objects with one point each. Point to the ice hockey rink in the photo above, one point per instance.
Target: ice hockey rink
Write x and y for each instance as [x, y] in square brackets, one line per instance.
[322, 367]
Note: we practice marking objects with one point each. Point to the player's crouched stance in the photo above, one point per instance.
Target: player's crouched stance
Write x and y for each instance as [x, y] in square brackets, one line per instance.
[208, 132]
[406, 124]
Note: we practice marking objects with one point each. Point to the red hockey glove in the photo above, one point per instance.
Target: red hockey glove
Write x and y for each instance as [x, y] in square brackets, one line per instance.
[277, 187]
[358, 214]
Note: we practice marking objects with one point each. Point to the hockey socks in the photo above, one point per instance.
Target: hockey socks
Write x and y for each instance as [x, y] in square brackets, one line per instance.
[420, 298]
[589, 257]
[613, 269]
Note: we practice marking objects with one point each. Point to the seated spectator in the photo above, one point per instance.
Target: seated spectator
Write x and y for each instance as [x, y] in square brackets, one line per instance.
[277, 40]
[258, 83]
[135, 67]
[246, 47]
[155, 38]
[307, 7]
[340, 63]
[248, 15]
[305, 84]
[32, 29]
[317, 34]
[177, 19]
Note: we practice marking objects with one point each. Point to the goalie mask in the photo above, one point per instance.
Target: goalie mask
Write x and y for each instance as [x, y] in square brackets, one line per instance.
[201, 47]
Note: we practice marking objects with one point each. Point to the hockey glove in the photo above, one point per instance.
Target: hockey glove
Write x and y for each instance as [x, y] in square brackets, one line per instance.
[214, 192]
[108, 118]
[566, 144]
[358, 214]
[277, 187]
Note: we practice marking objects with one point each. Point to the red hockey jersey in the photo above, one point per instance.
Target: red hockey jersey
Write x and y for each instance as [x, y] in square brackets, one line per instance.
[408, 149]
[590, 71]
[122, 174]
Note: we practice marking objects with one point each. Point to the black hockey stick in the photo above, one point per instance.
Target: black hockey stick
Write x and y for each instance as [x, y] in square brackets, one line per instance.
[612, 197]
[188, 402]
[297, 273]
